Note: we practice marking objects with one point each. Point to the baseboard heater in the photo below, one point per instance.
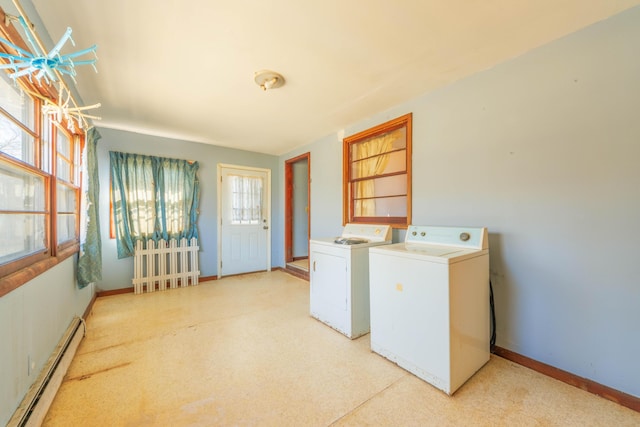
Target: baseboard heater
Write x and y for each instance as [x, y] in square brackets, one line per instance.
[38, 399]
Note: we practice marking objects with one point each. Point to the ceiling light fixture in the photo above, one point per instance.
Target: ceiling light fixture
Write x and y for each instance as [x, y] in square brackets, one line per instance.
[267, 79]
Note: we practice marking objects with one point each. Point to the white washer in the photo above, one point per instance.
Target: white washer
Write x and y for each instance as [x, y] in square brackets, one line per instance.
[339, 277]
[430, 303]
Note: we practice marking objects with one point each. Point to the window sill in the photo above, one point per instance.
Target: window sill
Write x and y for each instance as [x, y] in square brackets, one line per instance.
[15, 280]
[394, 222]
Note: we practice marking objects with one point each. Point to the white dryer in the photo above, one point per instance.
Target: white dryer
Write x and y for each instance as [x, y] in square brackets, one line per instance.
[430, 303]
[339, 277]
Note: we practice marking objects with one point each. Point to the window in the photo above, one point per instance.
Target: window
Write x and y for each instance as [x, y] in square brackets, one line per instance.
[23, 212]
[39, 182]
[246, 202]
[377, 174]
[17, 122]
[152, 198]
[67, 187]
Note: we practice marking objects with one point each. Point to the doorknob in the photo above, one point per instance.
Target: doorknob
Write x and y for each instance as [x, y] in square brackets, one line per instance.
[266, 227]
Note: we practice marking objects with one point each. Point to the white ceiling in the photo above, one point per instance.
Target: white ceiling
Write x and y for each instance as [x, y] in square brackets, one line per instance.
[184, 69]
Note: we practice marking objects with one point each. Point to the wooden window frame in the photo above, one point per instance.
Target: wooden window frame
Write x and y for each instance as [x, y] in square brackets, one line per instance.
[74, 182]
[15, 273]
[348, 216]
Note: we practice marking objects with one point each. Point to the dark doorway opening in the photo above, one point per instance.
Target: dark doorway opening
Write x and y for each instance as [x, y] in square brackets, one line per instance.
[297, 175]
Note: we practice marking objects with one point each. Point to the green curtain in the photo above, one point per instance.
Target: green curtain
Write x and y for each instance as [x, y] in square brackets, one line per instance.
[153, 198]
[178, 205]
[90, 261]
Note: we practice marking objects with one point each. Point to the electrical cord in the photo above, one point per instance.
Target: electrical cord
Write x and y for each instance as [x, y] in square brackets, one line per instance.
[492, 341]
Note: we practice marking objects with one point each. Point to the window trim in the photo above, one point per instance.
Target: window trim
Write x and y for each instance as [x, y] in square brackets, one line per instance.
[76, 146]
[34, 269]
[404, 121]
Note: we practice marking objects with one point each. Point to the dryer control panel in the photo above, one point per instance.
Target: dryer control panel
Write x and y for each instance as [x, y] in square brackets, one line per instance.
[370, 232]
[465, 237]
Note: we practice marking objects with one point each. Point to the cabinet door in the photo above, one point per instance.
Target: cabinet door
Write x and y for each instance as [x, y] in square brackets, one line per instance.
[328, 289]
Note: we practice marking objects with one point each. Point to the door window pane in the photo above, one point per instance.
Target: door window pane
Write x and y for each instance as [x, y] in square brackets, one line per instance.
[246, 200]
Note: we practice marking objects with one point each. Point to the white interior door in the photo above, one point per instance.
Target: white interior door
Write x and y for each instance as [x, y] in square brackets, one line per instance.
[244, 227]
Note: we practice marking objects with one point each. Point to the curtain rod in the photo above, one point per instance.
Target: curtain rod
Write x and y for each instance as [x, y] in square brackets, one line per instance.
[32, 30]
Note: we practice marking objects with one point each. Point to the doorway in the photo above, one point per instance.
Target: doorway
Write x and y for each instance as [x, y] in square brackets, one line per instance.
[297, 173]
[244, 212]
